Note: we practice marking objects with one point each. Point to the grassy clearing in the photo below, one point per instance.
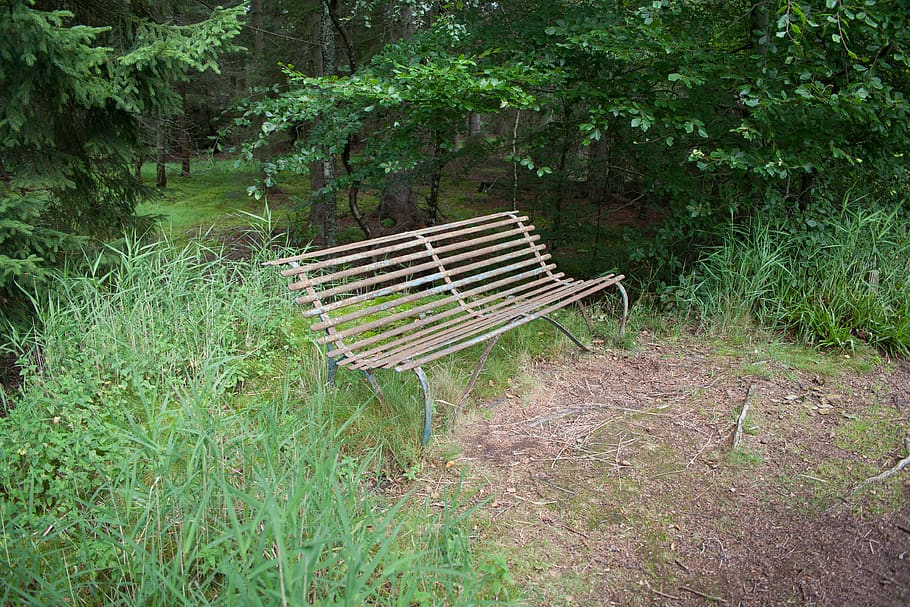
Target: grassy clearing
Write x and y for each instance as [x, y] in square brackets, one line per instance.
[213, 196]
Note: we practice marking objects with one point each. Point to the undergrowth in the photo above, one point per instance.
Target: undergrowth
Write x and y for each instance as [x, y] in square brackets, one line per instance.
[845, 284]
[173, 444]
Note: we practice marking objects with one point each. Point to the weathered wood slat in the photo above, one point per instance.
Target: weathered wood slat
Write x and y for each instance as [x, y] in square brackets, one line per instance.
[434, 305]
[465, 327]
[422, 253]
[500, 308]
[404, 241]
[431, 292]
[359, 285]
[418, 360]
[435, 321]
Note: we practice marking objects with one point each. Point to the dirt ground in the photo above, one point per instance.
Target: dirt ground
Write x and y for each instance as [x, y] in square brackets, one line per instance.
[614, 482]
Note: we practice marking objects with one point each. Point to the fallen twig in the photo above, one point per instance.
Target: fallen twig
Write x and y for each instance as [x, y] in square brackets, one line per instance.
[738, 435]
[707, 597]
[663, 594]
[887, 473]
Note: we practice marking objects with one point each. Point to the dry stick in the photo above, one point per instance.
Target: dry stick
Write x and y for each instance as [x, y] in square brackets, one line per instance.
[663, 594]
[887, 473]
[738, 435]
[707, 597]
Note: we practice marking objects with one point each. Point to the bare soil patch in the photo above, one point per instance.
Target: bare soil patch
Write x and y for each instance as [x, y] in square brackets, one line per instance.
[615, 483]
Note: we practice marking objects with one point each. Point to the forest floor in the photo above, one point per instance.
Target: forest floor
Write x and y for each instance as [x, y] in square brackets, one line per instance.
[614, 481]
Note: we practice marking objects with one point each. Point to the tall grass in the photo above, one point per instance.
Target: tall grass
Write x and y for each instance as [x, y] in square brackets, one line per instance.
[841, 286]
[173, 444]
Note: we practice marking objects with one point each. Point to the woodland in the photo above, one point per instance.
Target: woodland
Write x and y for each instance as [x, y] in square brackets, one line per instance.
[166, 433]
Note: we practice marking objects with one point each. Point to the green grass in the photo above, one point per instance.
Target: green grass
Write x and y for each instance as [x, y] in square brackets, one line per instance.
[214, 195]
[173, 443]
[845, 286]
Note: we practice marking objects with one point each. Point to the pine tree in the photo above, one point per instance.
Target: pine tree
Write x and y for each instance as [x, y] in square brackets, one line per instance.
[70, 107]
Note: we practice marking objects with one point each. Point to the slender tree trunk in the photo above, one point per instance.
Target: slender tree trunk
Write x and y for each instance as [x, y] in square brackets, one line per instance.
[474, 125]
[397, 202]
[160, 168]
[329, 66]
[137, 168]
[324, 206]
[354, 190]
[256, 18]
[759, 22]
[435, 178]
[183, 135]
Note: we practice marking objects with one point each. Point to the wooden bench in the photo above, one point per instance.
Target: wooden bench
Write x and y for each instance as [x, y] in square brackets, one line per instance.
[402, 301]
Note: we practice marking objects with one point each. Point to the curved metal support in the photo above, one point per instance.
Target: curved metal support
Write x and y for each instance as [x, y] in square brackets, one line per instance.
[568, 334]
[427, 406]
[625, 309]
[374, 385]
[477, 369]
[333, 368]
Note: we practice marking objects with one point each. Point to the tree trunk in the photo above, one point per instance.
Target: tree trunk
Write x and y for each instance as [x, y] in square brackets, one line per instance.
[256, 18]
[324, 209]
[435, 178]
[160, 174]
[474, 125]
[137, 168]
[183, 135]
[161, 170]
[759, 21]
[397, 203]
[354, 189]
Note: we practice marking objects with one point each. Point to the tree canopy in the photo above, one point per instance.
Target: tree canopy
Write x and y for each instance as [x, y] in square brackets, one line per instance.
[700, 110]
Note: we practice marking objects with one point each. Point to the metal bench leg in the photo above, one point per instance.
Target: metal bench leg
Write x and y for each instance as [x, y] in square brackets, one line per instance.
[568, 334]
[375, 385]
[625, 309]
[427, 406]
[333, 368]
[477, 369]
[586, 316]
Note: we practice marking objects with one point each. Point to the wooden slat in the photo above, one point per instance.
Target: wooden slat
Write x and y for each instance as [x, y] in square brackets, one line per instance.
[440, 265]
[436, 304]
[496, 271]
[438, 324]
[408, 239]
[434, 317]
[424, 359]
[402, 259]
[468, 326]
[423, 295]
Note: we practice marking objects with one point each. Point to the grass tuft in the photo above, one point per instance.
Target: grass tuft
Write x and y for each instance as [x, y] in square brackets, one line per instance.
[845, 286]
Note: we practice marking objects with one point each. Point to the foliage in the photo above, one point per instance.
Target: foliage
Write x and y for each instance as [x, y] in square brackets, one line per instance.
[406, 106]
[171, 446]
[711, 109]
[69, 128]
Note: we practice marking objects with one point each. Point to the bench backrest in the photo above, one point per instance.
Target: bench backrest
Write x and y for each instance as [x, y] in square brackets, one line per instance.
[367, 293]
